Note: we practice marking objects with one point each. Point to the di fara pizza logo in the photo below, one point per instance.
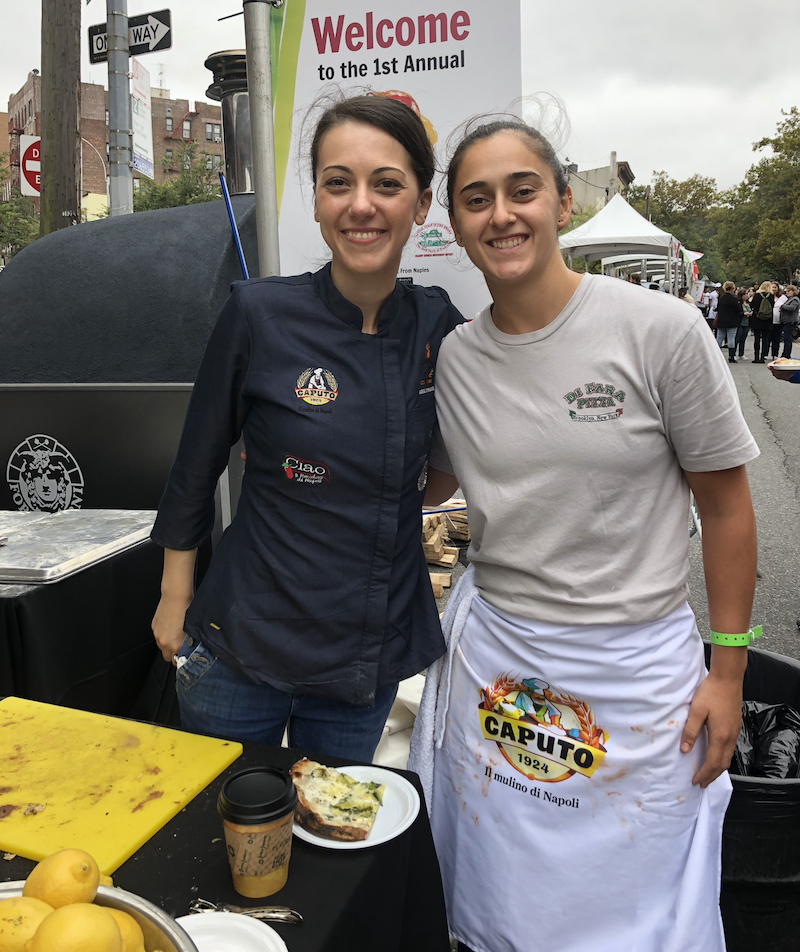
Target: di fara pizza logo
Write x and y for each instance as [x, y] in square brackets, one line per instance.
[317, 386]
[305, 470]
[44, 476]
[545, 734]
[595, 396]
[434, 240]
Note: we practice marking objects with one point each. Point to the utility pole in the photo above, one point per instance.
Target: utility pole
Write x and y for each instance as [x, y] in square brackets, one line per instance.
[647, 203]
[612, 182]
[60, 204]
[120, 152]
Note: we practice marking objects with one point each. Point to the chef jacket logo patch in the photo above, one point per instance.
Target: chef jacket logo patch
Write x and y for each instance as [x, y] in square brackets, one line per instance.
[595, 396]
[545, 734]
[44, 476]
[306, 470]
[317, 386]
[426, 372]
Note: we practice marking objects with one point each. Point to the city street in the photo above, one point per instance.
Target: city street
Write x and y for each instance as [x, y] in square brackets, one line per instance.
[772, 410]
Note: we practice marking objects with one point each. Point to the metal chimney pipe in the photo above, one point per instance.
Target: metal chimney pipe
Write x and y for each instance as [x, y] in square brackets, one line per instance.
[230, 88]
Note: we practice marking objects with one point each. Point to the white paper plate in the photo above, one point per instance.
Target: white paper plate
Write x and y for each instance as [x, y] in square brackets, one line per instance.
[398, 811]
[794, 365]
[230, 932]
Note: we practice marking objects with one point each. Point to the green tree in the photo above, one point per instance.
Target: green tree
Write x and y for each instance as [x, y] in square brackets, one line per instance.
[759, 220]
[685, 210]
[580, 265]
[19, 219]
[189, 182]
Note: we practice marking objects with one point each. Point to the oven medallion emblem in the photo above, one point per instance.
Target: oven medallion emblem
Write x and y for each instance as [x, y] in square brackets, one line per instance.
[44, 476]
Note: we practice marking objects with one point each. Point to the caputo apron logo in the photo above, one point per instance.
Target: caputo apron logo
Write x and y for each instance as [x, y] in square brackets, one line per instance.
[595, 396]
[317, 386]
[545, 734]
[305, 470]
[44, 476]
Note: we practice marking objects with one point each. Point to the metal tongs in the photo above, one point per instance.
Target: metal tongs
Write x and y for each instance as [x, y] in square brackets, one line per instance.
[273, 913]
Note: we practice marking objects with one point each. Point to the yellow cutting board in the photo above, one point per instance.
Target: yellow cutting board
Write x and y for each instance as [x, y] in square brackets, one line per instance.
[106, 784]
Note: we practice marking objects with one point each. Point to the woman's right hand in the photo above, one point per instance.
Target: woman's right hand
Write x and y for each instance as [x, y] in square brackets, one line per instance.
[176, 596]
[775, 370]
[167, 625]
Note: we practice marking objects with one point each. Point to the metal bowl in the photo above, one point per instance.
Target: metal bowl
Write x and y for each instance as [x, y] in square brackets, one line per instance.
[161, 931]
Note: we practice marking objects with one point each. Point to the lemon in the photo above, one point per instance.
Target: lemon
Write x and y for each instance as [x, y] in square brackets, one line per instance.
[132, 935]
[106, 880]
[19, 919]
[64, 877]
[79, 927]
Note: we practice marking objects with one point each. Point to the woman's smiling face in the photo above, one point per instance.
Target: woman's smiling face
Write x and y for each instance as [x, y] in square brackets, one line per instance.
[366, 199]
[506, 208]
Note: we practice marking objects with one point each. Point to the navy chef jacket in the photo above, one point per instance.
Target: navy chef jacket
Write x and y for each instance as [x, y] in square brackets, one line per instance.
[319, 586]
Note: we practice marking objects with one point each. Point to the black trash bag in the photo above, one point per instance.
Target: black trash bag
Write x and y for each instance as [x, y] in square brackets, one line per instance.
[768, 743]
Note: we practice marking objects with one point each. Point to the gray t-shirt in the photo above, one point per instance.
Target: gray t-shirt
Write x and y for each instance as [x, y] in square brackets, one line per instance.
[570, 444]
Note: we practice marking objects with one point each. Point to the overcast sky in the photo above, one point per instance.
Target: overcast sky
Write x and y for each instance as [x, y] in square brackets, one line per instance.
[686, 87]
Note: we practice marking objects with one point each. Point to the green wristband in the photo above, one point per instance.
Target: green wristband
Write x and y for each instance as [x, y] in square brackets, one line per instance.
[720, 638]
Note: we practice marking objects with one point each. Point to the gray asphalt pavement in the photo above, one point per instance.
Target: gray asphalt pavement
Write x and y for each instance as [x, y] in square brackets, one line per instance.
[772, 411]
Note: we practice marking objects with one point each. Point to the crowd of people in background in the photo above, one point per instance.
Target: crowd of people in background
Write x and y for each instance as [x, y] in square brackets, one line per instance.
[770, 311]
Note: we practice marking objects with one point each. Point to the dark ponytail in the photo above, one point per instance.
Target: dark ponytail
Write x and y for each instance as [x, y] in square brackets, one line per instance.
[390, 116]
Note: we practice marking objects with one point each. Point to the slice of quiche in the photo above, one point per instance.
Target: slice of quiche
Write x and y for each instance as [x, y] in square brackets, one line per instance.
[333, 805]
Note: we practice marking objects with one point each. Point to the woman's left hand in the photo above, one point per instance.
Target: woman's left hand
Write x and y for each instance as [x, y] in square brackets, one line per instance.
[717, 703]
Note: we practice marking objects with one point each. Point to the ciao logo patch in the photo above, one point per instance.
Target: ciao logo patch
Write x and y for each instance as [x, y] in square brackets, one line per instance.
[545, 734]
[305, 470]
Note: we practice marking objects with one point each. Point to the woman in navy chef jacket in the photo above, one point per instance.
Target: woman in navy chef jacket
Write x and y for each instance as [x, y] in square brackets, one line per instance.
[317, 601]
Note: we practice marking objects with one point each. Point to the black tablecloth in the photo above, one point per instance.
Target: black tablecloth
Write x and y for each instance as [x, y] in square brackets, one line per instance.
[386, 898]
[85, 641]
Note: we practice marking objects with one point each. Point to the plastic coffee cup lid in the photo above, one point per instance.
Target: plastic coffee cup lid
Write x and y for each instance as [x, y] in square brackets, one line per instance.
[256, 796]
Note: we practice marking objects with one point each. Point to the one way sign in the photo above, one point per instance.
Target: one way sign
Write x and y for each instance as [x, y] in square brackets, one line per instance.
[147, 33]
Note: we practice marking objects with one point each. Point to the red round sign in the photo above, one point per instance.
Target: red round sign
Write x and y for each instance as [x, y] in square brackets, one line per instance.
[31, 166]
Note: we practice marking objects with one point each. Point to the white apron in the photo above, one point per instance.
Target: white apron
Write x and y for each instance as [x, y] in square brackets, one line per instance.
[563, 810]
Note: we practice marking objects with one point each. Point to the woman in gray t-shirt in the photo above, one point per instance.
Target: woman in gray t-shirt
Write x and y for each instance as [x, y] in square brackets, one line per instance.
[575, 724]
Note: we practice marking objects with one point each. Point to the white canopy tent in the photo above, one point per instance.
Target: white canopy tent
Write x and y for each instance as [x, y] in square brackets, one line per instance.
[617, 231]
[652, 266]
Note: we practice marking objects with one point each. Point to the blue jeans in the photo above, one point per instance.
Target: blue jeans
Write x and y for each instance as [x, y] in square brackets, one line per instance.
[215, 699]
[787, 331]
[726, 336]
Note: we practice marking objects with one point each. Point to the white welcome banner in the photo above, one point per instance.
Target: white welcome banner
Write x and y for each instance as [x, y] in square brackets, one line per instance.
[448, 61]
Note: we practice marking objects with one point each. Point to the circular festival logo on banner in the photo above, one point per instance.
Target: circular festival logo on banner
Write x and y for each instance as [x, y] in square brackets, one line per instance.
[545, 734]
[317, 386]
[44, 476]
[434, 238]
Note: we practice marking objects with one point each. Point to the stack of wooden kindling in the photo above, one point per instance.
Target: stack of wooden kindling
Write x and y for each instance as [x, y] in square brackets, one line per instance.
[440, 581]
[457, 526]
[435, 536]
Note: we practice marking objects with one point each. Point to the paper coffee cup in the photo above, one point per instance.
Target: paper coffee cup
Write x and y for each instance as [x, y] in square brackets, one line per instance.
[257, 810]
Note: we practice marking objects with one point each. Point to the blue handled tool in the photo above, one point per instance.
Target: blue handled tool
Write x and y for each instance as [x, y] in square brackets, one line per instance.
[236, 239]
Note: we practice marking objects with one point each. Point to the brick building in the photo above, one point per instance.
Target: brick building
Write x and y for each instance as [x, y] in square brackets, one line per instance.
[24, 118]
[94, 140]
[5, 148]
[176, 122]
